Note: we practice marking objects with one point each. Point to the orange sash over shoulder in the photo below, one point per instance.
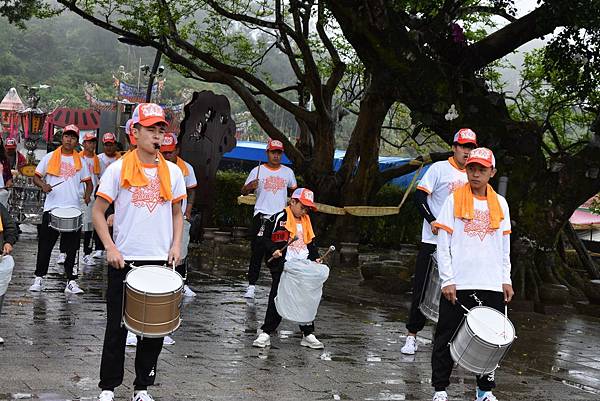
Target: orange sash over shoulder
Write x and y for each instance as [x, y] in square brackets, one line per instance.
[96, 162]
[132, 174]
[54, 163]
[182, 166]
[307, 230]
[464, 205]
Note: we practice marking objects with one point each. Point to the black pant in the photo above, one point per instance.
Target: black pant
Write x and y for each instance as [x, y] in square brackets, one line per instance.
[450, 318]
[272, 317]
[258, 248]
[47, 240]
[182, 270]
[113, 350]
[87, 242]
[98, 241]
[416, 320]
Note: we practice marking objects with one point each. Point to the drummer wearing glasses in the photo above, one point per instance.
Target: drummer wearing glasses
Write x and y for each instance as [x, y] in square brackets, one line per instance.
[59, 175]
[147, 192]
[473, 252]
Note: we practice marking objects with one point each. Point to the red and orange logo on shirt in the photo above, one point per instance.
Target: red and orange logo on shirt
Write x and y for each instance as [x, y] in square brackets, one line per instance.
[148, 196]
[67, 170]
[274, 184]
[480, 225]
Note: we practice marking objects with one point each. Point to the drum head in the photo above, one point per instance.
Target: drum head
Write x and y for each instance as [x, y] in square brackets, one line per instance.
[66, 212]
[154, 279]
[489, 325]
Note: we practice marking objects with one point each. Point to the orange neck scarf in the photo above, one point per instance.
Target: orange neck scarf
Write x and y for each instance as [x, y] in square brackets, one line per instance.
[54, 163]
[133, 175]
[290, 225]
[96, 162]
[464, 205]
[182, 166]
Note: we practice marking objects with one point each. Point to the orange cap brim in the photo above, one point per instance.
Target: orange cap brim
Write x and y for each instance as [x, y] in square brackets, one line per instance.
[149, 122]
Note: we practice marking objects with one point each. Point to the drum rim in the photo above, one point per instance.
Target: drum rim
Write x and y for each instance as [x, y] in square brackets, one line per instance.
[128, 286]
[471, 367]
[52, 214]
[514, 331]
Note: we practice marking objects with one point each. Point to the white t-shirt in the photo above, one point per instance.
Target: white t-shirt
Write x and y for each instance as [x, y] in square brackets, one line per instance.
[105, 161]
[439, 181]
[90, 166]
[143, 222]
[66, 194]
[470, 254]
[271, 194]
[190, 182]
[297, 249]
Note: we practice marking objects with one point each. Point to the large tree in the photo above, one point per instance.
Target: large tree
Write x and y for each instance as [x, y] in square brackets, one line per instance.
[377, 54]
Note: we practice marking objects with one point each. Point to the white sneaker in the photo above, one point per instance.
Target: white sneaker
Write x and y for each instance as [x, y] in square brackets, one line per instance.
[61, 258]
[98, 254]
[73, 288]
[131, 339]
[263, 340]
[311, 342]
[141, 395]
[167, 340]
[1, 340]
[37, 285]
[410, 347]
[487, 396]
[187, 291]
[106, 395]
[440, 395]
[250, 291]
[89, 260]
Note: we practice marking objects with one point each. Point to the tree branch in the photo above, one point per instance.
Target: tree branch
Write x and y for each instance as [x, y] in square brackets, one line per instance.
[486, 10]
[539, 22]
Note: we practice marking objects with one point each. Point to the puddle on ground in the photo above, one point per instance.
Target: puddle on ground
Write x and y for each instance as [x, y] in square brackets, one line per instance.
[386, 395]
[373, 357]
[325, 356]
[286, 333]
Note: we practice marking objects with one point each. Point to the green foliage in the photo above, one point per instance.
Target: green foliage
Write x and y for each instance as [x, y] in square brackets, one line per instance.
[227, 212]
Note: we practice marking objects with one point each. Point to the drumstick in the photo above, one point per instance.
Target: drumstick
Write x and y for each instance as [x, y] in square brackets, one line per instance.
[329, 250]
[505, 318]
[285, 246]
[58, 183]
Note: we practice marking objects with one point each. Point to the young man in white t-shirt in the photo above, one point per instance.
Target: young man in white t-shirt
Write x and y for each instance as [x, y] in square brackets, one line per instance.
[170, 150]
[439, 181]
[109, 154]
[60, 174]
[89, 157]
[148, 225]
[473, 251]
[271, 182]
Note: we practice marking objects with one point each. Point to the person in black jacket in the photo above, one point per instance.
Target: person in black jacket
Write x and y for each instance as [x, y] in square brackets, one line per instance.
[292, 237]
[8, 237]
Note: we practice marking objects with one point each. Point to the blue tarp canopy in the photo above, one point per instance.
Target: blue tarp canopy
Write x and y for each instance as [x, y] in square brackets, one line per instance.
[255, 151]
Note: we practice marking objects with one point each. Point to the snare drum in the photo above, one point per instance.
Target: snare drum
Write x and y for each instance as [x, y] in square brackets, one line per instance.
[152, 297]
[430, 299]
[65, 219]
[482, 340]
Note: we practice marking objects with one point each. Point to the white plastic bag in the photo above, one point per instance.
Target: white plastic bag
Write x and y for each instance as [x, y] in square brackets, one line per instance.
[6, 268]
[300, 290]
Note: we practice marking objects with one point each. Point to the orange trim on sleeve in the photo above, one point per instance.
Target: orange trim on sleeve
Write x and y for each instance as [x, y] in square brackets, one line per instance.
[87, 179]
[294, 187]
[423, 189]
[191, 186]
[105, 197]
[506, 232]
[179, 198]
[39, 174]
[443, 227]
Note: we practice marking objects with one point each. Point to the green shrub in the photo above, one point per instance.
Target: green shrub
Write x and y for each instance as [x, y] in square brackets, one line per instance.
[382, 232]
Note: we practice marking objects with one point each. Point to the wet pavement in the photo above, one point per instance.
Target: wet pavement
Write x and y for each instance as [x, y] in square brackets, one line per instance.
[53, 344]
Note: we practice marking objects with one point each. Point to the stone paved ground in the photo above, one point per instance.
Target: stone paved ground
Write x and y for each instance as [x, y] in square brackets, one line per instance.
[53, 345]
